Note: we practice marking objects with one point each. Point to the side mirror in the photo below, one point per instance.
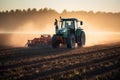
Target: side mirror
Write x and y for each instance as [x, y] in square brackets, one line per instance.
[56, 22]
[81, 23]
[56, 25]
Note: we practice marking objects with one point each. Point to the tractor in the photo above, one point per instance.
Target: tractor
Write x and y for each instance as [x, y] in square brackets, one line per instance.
[69, 33]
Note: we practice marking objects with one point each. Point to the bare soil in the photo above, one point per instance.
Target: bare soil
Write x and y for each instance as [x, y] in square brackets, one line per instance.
[98, 62]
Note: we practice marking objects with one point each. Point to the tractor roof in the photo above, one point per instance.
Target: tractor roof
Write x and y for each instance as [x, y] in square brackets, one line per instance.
[69, 19]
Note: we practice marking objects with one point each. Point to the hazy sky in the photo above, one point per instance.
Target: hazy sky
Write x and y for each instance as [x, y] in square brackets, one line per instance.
[59, 5]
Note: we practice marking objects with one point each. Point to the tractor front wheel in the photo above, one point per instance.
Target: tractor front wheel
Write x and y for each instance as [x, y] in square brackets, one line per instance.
[55, 43]
[71, 41]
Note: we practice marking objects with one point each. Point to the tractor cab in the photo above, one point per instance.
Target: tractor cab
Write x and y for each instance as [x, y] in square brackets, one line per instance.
[71, 24]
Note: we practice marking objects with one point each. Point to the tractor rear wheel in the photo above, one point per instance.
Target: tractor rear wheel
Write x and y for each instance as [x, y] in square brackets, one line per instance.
[71, 41]
[81, 39]
[55, 43]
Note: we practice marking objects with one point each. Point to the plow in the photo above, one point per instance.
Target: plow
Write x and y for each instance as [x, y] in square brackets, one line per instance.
[43, 41]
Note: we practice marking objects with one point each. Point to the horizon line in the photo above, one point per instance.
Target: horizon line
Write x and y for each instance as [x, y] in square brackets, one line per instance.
[61, 11]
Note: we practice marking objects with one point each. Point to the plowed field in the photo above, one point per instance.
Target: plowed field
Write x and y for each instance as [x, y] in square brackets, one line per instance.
[99, 62]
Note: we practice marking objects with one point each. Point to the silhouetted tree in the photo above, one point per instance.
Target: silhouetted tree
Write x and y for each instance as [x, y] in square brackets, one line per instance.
[29, 10]
[34, 10]
[12, 11]
[64, 11]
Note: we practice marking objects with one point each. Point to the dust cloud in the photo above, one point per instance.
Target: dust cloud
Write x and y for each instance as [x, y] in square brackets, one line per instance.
[96, 38]
[21, 35]
[92, 38]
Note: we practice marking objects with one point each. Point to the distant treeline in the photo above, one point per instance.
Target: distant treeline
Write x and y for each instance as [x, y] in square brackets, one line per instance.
[14, 19]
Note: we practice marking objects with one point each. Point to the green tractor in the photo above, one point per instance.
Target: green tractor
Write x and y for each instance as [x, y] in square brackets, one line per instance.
[68, 33]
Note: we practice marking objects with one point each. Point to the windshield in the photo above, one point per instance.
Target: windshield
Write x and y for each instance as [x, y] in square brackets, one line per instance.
[66, 24]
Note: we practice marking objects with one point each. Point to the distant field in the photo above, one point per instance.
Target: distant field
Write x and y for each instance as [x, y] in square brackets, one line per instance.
[100, 62]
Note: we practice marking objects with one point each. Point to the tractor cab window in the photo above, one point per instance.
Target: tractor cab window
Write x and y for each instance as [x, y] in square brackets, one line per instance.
[67, 24]
[76, 25]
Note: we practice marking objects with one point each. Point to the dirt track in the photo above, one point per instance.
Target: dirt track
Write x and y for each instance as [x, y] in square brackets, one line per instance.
[94, 62]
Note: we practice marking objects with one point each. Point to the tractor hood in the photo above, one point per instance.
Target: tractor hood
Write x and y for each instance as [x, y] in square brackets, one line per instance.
[61, 30]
